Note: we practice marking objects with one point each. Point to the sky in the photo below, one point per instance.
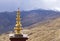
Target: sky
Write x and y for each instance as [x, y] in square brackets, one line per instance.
[12, 5]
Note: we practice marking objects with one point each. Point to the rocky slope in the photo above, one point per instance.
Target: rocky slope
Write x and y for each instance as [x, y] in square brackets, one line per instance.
[47, 31]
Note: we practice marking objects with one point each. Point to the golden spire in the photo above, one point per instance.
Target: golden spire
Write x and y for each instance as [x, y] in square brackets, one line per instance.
[18, 26]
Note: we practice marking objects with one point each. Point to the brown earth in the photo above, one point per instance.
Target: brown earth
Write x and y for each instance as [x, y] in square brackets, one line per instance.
[47, 31]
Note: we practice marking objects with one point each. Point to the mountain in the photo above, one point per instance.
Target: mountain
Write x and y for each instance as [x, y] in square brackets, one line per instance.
[47, 31]
[28, 18]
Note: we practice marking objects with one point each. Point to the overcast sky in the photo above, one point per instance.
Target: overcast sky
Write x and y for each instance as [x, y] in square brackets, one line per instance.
[12, 5]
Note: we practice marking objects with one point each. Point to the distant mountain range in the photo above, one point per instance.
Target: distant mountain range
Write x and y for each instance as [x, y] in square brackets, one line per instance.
[28, 18]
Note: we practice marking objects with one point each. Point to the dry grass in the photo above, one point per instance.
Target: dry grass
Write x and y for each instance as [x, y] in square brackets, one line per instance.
[49, 31]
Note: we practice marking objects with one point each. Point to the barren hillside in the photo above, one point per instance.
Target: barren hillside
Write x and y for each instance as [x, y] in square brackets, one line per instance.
[47, 31]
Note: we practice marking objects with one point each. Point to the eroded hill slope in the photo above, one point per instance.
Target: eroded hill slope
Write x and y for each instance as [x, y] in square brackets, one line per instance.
[48, 31]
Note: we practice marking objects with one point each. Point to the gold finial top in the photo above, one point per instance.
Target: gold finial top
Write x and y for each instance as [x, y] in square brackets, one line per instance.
[18, 26]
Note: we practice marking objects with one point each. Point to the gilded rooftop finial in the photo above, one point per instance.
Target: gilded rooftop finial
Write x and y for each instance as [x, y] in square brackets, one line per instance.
[18, 26]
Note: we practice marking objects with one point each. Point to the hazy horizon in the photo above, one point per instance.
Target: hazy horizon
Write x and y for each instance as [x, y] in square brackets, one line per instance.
[26, 5]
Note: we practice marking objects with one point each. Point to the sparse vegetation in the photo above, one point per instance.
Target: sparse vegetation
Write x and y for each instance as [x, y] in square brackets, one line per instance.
[48, 31]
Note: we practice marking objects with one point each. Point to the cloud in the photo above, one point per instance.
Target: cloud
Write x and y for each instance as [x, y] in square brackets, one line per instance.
[49, 1]
[56, 9]
[11, 5]
[44, 4]
[8, 5]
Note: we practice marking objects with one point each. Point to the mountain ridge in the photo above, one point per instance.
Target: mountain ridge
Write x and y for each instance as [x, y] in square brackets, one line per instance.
[7, 19]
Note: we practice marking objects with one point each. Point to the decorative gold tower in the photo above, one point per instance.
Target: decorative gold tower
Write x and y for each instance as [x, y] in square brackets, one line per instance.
[18, 36]
[18, 26]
